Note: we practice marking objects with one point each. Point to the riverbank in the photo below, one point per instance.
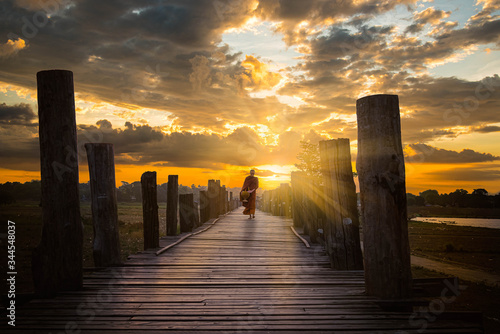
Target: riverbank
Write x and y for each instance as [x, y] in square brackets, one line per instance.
[452, 212]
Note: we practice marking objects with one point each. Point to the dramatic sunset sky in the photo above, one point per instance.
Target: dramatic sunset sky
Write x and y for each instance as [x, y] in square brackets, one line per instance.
[206, 89]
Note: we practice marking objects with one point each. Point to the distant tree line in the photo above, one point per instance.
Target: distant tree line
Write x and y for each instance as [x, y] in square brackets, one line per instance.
[11, 192]
[310, 164]
[479, 198]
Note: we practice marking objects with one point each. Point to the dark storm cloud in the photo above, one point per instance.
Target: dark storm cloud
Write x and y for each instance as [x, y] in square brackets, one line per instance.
[19, 114]
[128, 52]
[487, 129]
[20, 149]
[142, 144]
[429, 154]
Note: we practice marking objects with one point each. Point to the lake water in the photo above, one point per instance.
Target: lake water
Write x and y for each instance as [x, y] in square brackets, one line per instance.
[475, 222]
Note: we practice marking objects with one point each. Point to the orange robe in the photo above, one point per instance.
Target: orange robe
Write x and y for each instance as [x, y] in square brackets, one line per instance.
[251, 182]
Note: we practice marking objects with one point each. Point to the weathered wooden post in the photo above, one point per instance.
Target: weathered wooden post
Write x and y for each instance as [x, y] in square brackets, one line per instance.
[212, 196]
[101, 160]
[267, 201]
[226, 201]
[310, 207]
[342, 223]
[186, 212]
[219, 197]
[231, 202]
[348, 205]
[297, 199]
[58, 259]
[319, 215]
[223, 200]
[150, 210]
[276, 202]
[381, 173]
[204, 207]
[196, 214]
[287, 200]
[172, 202]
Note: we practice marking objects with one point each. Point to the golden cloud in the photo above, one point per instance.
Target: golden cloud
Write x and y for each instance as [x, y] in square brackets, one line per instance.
[258, 75]
[12, 47]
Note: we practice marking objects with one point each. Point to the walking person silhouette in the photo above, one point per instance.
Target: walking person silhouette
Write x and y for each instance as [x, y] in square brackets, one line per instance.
[250, 185]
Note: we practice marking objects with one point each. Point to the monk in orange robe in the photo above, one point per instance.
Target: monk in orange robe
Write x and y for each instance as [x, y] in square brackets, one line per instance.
[251, 184]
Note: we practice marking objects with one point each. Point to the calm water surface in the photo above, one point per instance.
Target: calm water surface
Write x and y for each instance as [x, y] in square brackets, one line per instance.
[475, 222]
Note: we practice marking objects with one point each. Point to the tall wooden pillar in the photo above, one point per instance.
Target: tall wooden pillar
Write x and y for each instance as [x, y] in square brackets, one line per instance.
[213, 194]
[172, 202]
[150, 210]
[297, 195]
[223, 197]
[186, 212]
[342, 223]
[101, 162]
[381, 174]
[204, 207]
[58, 259]
[219, 198]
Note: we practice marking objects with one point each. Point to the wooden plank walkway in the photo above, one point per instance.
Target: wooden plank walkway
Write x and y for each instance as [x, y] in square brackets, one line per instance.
[251, 276]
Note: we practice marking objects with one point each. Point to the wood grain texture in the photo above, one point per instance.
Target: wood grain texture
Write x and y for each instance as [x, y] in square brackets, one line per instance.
[240, 275]
[151, 226]
[172, 204]
[106, 246]
[57, 261]
[381, 173]
[186, 213]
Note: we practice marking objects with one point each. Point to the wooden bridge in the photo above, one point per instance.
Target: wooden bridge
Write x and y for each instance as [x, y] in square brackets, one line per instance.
[233, 274]
[240, 275]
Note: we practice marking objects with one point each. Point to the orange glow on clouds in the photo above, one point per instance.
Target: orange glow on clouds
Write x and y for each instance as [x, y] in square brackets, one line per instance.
[258, 73]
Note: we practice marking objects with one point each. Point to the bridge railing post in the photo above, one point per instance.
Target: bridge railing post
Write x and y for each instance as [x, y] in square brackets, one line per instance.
[342, 223]
[218, 188]
[226, 201]
[172, 204]
[101, 162]
[61, 247]
[213, 195]
[150, 210]
[204, 207]
[186, 212]
[223, 199]
[297, 199]
[381, 174]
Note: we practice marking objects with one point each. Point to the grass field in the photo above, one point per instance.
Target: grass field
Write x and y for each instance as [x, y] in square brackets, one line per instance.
[471, 247]
[27, 217]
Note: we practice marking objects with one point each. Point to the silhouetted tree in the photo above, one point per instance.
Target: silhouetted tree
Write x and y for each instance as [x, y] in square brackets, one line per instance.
[310, 162]
[430, 196]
